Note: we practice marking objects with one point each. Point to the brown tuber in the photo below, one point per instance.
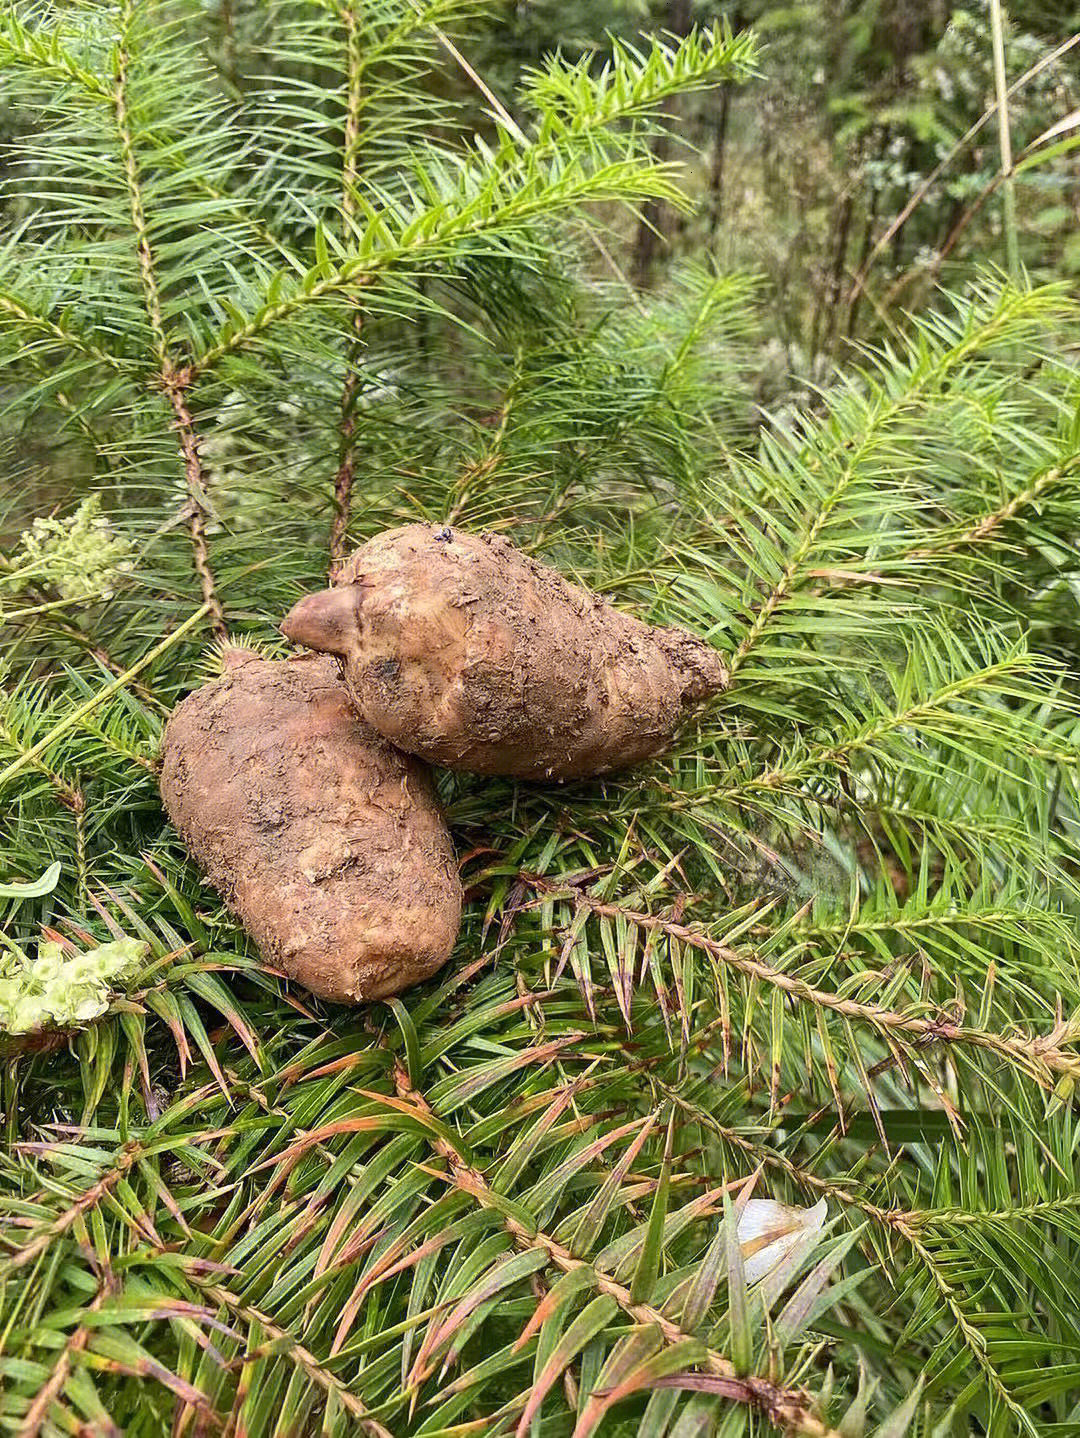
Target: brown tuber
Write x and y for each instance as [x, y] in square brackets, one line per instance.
[325, 841]
[461, 649]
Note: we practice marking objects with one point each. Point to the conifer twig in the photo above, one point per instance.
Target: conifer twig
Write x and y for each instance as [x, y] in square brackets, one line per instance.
[67, 794]
[86, 1200]
[51, 597]
[993, 519]
[1027, 1052]
[302, 1357]
[36, 1415]
[19, 309]
[788, 1408]
[346, 472]
[172, 380]
[997, 41]
[197, 512]
[970, 1335]
[69, 721]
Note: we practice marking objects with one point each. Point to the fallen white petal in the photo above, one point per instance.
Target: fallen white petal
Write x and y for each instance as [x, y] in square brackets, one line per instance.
[768, 1231]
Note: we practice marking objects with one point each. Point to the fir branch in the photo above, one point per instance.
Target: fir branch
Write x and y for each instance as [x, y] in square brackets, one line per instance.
[68, 794]
[973, 1340]
[138, 216]
[906, 1224]
[905, 1221]
[1009, 1218]
[46, 1234]
[78, 636]
[170, 379]
[43, 52]
[986, 527]
[863, 423]
[787, 1408]
[1035, 1055]
[346, 472]
[302, 1357]
[566, 166]
[763, 1154]
[477, 471]
[37, 1415]
[15, 307]
[75, 716]
[198, 513]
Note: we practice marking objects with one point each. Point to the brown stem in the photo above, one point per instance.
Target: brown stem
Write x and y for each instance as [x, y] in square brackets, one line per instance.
[197, 512]
[832, 301]
[716, 173]
[302, 1357]
[947, 248]
[867, 242]
[931, 179]
[346, 472]
[173, 381]
[86, 1200]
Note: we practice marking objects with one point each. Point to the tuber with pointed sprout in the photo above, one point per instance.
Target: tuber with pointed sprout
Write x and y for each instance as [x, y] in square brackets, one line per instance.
[326, 842]
[463, 650]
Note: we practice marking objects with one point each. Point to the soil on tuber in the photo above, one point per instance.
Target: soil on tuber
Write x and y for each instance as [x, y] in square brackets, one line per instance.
[326, 842]
[461, 649]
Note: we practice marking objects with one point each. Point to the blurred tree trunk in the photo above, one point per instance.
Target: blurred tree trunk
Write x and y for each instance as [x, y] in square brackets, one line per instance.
[836, 277]
[720, 137]
[823, 325]
[864, 250]
[716, 170]
[650, 231]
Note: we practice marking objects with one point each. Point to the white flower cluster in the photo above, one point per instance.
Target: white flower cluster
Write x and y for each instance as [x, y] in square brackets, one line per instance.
[81, 555]
[53, 991]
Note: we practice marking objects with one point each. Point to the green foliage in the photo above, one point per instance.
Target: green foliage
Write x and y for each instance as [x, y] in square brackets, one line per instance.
[827, 951]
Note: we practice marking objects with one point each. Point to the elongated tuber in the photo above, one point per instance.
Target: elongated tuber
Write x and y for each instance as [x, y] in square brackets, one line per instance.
[461, 649]
[325, 841]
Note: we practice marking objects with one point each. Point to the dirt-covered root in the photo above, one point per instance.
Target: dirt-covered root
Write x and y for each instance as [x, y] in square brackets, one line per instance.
[461, 649]
[325, 841]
